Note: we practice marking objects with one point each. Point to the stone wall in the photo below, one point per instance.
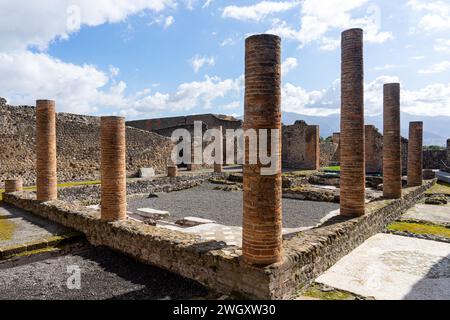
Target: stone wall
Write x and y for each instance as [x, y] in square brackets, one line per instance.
[329, 154]
[78, 146]
[301, 147]
[374, 150]
[306, 254]
[434, 159]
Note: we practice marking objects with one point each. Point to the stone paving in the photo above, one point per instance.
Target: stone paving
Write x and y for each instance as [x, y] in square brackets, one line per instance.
[18, 227]
[389, 267]
[429, 213]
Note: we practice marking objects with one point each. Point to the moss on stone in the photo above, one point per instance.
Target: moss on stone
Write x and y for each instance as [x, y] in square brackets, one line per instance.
[420, 228]
[318, 292]
[6, 229]
[440, 188]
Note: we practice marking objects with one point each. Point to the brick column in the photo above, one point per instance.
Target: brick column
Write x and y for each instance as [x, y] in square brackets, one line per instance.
[415, 154]
[46, 179]
[172, 171]
[262, 227]
[392, 151]
[448, 152]
[113, 169]
[13, 185]
[352, 125]
[218, 167]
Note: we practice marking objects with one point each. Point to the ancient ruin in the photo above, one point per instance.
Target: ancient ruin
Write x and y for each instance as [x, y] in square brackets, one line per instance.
[352, 156]
[266, 229]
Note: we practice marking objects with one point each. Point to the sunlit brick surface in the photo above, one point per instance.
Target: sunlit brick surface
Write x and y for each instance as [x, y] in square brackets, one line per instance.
[262, 226]
[113, 169]
[392, 162]
[14, 185]
[46, 179]
[415, 154]
[352, 125]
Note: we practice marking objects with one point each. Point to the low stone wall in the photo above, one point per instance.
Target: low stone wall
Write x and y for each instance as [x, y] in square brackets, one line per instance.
[306, 254]
[90, 194]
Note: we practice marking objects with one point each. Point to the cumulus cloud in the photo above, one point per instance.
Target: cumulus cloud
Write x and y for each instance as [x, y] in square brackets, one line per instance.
[46, 23]
[259, 11]
[197, 62]
[320, 17]
[288, 65]
[436, 68]
[442, 46]
[436, 14]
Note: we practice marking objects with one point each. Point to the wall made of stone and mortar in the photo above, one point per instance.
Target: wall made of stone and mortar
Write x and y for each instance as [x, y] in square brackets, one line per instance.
[301, 148]
[306, 254]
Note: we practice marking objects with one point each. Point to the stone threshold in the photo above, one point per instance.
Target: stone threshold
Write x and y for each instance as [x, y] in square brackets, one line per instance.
[214, 264]
[32, 246]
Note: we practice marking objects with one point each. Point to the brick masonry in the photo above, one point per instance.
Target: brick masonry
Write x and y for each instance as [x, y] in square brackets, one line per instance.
[306, 254]
[415, 154]
[14, 185]
[46, 179]
[172, 171]
[392, 165]
[262, 224]
[301, 146]
[113, 169]
[448, 153]
[218, 167]
[352, 124]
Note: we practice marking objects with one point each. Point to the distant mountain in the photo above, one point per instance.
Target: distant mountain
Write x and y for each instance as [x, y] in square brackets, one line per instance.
[436, 129]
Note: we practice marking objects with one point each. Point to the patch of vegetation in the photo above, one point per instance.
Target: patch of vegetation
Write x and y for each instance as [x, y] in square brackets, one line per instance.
[6, 229]
[433, 148]
[440, 188]
[61, 185]
[332, 168]
[420, 228]
[299, 173]
[321, 292]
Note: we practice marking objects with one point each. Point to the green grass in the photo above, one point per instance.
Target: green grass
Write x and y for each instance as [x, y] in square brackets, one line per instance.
[332, 168]
[440, 188]
[315, 292]
[61, 185]
[420, 228]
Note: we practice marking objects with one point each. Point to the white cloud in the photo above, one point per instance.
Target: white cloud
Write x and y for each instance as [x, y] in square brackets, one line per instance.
[320, 17]
[197, 62]
[168, 22]
[38, 24]
[207, 3]
[436, 68]
[442, 46]
[288, 65]
[436, 14]
[258, 11]
[433, 100]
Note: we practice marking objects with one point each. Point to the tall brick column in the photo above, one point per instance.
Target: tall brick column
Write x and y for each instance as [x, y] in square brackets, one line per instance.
[415, 154]
[46, 179]
[312, 160]
[448, 152]
[392, 150]
[262, 227]
[218, 167]
[113, 169]
[13, 185]
[352, 125]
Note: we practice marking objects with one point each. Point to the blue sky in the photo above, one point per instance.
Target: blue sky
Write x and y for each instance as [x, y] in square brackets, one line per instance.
[152, 58]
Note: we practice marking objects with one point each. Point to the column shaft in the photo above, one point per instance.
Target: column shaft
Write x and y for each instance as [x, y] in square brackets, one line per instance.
[46, 177]
[415, 154]
[262, 227]
[113, 169]
[352, 125]
[218, 167]
[13, 185]
[392, 151]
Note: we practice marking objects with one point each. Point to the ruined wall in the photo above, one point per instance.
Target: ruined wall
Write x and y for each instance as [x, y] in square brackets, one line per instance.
[328, 154]
[374, 150]
[301, 146]
[166, 126]
[78, 146]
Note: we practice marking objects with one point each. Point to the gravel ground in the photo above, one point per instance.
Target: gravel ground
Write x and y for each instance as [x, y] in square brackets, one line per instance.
[104, 275]
[226, 207]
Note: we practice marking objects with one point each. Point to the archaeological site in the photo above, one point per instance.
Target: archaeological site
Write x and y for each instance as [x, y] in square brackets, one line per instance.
[207, 206]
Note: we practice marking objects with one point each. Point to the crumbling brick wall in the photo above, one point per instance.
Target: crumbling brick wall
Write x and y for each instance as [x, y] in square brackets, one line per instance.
[374, 150]
[301, 146]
